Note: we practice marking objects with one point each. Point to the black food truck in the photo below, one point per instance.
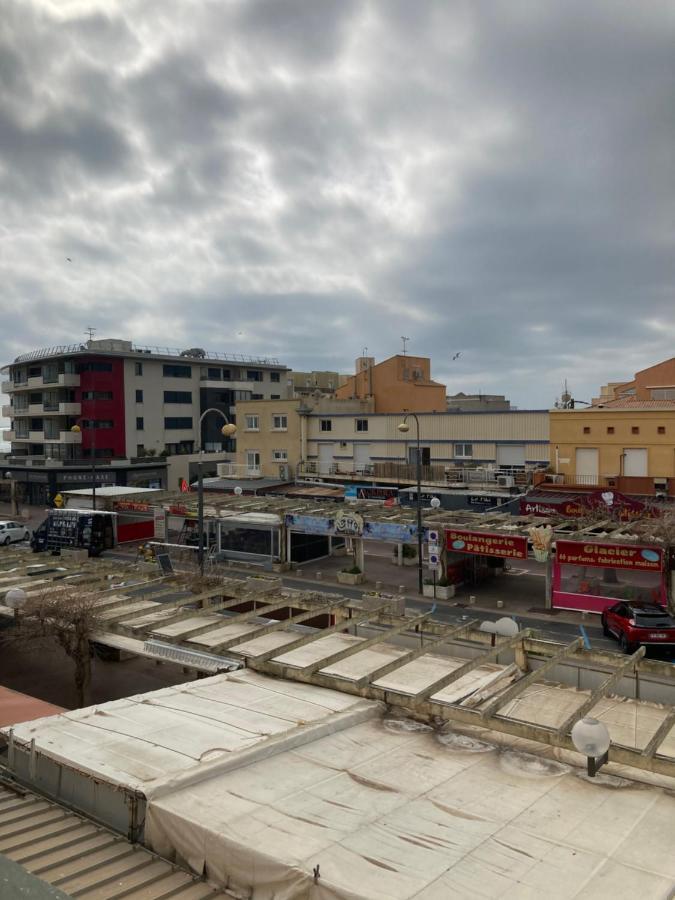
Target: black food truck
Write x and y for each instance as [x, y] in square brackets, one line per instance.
[81, 529]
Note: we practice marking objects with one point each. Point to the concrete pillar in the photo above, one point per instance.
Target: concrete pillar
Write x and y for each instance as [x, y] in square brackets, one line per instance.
[359, 554]
[399, 554]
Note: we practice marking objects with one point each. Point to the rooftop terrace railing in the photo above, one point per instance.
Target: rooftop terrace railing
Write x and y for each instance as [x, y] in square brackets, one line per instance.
[64, 349]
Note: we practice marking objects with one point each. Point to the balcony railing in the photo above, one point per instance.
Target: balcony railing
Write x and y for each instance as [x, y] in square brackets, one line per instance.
[237, 470]
[451, 476]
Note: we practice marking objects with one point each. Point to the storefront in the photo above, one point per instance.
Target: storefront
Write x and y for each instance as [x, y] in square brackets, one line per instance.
[592, 576]
[322, 535]
[476, 556]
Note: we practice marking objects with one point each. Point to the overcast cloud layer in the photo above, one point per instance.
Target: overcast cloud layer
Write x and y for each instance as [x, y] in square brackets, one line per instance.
[306, 178]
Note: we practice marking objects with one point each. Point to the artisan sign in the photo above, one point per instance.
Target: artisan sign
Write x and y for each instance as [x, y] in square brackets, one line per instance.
[612, 503]
[609, 556]
[486, 544]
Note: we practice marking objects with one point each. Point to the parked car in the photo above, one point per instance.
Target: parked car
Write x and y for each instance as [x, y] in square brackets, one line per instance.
[12, 531]
[638, 622]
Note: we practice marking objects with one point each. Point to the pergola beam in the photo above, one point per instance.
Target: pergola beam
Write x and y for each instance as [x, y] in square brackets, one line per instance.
[364, 645]
[601, 690]
[318, 635]
[277, 626]
[448, 634]
[519, 686]
[468, 667]
[660, 735]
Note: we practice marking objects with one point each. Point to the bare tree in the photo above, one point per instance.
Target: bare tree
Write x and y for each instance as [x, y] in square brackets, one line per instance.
[67, 616]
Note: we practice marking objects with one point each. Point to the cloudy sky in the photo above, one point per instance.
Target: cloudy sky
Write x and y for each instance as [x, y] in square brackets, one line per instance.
[306, 178]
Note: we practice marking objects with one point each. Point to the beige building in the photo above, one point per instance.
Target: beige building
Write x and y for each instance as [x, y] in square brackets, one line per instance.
[627, 444]
[347, 439]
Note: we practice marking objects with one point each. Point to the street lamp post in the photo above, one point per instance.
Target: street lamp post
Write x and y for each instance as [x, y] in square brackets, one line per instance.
[228, 429]
[404, 428]
[591, 738]
[76, 429]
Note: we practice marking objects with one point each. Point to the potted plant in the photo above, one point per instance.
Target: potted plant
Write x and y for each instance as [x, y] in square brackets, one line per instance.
[409, 555]
[444, 590]
[351, 575]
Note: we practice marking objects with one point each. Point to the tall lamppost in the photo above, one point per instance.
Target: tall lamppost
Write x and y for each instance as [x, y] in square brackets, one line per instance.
[228, 429]
[404, 428]
[76, 429]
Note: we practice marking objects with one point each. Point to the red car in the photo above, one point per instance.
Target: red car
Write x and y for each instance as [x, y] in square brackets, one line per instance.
[634, 623]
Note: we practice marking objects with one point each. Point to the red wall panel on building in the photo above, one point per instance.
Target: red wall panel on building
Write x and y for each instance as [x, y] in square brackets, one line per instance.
[111, 410]
[135, 530]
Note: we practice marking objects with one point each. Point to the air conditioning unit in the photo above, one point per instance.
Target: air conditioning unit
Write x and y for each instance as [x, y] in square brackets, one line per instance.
[505, 481]
[661, 485]
[284, 474]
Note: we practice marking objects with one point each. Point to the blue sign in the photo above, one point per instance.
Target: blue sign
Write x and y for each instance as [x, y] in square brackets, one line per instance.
[351, 493]
[395, 532]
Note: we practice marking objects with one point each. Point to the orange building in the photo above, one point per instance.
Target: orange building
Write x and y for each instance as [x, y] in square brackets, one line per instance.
[654, 383]
[400, 383]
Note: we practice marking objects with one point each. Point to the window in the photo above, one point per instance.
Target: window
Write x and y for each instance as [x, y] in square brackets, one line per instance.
[661, 429]
[252, 423]
[173, 370]
[280, 423]
[464, 450]
[610, 429]
[279, 455]
[178, 396]
[139, 423]
[663, 394]
[275, 396]
[140, 449]
[587, 429]
[97, 423]
[275, 376]
[97, 395]
[362, 424]
[139, 396]
[178, 422]
[326, 424]
[214, 374]
[138, 368]
[227, 375]
[254, 375]
[253, 460]
[257, 397]
[635, 429]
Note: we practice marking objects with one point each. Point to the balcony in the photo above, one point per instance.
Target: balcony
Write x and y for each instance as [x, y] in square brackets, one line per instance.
[8, 436]
[238, 471]
[8, 411]
[7, 387]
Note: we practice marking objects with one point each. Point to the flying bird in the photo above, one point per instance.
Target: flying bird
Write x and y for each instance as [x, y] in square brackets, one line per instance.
[457, 356]
[68, 259]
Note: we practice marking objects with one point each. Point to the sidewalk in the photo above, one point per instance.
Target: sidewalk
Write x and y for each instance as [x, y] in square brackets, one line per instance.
[521, 593]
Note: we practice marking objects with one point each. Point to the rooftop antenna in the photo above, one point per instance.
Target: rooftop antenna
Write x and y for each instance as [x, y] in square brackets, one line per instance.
[405, 341]
[91, 332]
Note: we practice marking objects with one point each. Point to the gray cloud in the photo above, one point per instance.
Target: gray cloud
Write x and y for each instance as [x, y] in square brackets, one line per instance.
[492, 178]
